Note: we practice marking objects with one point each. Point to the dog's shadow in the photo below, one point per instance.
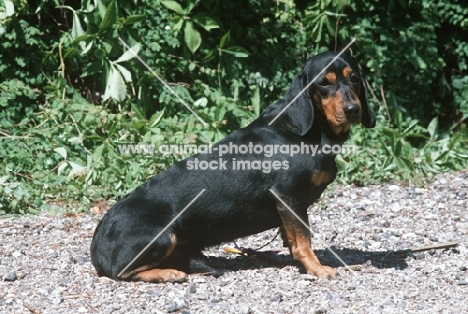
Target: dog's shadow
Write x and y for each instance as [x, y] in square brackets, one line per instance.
[353, 258]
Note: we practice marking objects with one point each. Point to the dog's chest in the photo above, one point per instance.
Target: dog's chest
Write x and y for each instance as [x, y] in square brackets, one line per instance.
[321, 177]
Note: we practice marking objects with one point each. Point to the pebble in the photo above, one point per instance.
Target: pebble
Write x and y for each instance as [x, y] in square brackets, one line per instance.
[177, 304]
[11, 276]
[80, 260]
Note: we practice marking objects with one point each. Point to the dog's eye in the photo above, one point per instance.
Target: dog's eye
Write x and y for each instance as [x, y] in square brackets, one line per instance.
[354, 79]
[324, 83]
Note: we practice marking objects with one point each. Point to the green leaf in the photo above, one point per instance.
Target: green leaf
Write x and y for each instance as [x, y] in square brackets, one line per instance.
[211, 55]
[115, 87]
[100, 53]
[207, 136]
[125, 73]
[61, 151]
[433, 129]
[134, 18]
[202, 102]
[77, 29]
[191, 5]
[9, 8]
[236, 51]
[62, 167]
[97, 154]
[110, 17]
[129, 54]
[155, 118]
[3, 179]
[205, 21]
[174, 6]
[77, 169]
[192, 37]
[255, 99]
[178, 23]
[330, 28]
[225, 39]
[85, 37]
[412, 124]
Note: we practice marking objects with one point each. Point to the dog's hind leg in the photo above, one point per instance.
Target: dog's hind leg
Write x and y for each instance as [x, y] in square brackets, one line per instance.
[158, 271]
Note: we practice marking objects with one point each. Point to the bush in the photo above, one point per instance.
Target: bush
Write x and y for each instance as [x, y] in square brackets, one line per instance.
[72, 93]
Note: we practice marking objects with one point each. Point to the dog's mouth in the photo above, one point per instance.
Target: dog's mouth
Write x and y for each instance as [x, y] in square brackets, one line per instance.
[342, 119]
[350, 120]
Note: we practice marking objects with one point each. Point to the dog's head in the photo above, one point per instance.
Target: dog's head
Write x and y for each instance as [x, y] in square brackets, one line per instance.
[339, 94]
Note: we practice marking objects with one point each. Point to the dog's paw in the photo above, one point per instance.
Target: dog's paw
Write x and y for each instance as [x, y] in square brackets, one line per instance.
[161, 275]
[324, 272]
[172, 275]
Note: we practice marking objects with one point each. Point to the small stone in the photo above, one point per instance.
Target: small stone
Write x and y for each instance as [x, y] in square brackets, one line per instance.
[192, 288]
[177, 304]
[409, 235]
[11, 276]
[155, 293]
[278, 296]
[243, 309]
[419, 256]
[431, 217]
[440, 268]
[80, 260]
[16, 254]
[398, 233]
[393, 187]
[396, 207]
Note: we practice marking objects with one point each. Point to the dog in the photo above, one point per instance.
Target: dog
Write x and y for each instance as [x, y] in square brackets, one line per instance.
[146, 237]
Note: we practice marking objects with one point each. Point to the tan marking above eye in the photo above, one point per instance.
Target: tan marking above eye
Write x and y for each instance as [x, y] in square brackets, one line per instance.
[347, 72]
[331, 77]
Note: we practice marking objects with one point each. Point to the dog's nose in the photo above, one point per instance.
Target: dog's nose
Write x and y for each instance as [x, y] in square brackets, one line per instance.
[352, 111]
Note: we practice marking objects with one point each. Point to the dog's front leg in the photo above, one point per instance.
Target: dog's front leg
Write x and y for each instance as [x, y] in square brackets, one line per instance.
[298, 238]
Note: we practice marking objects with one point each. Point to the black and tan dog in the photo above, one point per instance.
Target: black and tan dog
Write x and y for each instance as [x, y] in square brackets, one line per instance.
[239, 202]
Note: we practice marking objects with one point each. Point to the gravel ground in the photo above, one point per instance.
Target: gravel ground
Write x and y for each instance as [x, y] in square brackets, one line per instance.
[45, 264]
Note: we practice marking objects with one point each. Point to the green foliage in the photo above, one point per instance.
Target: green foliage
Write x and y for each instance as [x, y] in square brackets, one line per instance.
[72, 92]
[408, 153]
[182, 19]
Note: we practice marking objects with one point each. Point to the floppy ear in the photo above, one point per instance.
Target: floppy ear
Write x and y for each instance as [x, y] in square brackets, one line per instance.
[300, 114]
[368, 117]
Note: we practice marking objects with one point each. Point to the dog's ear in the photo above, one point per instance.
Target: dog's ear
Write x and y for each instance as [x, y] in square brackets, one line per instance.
[300, 114]
[368, 117]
